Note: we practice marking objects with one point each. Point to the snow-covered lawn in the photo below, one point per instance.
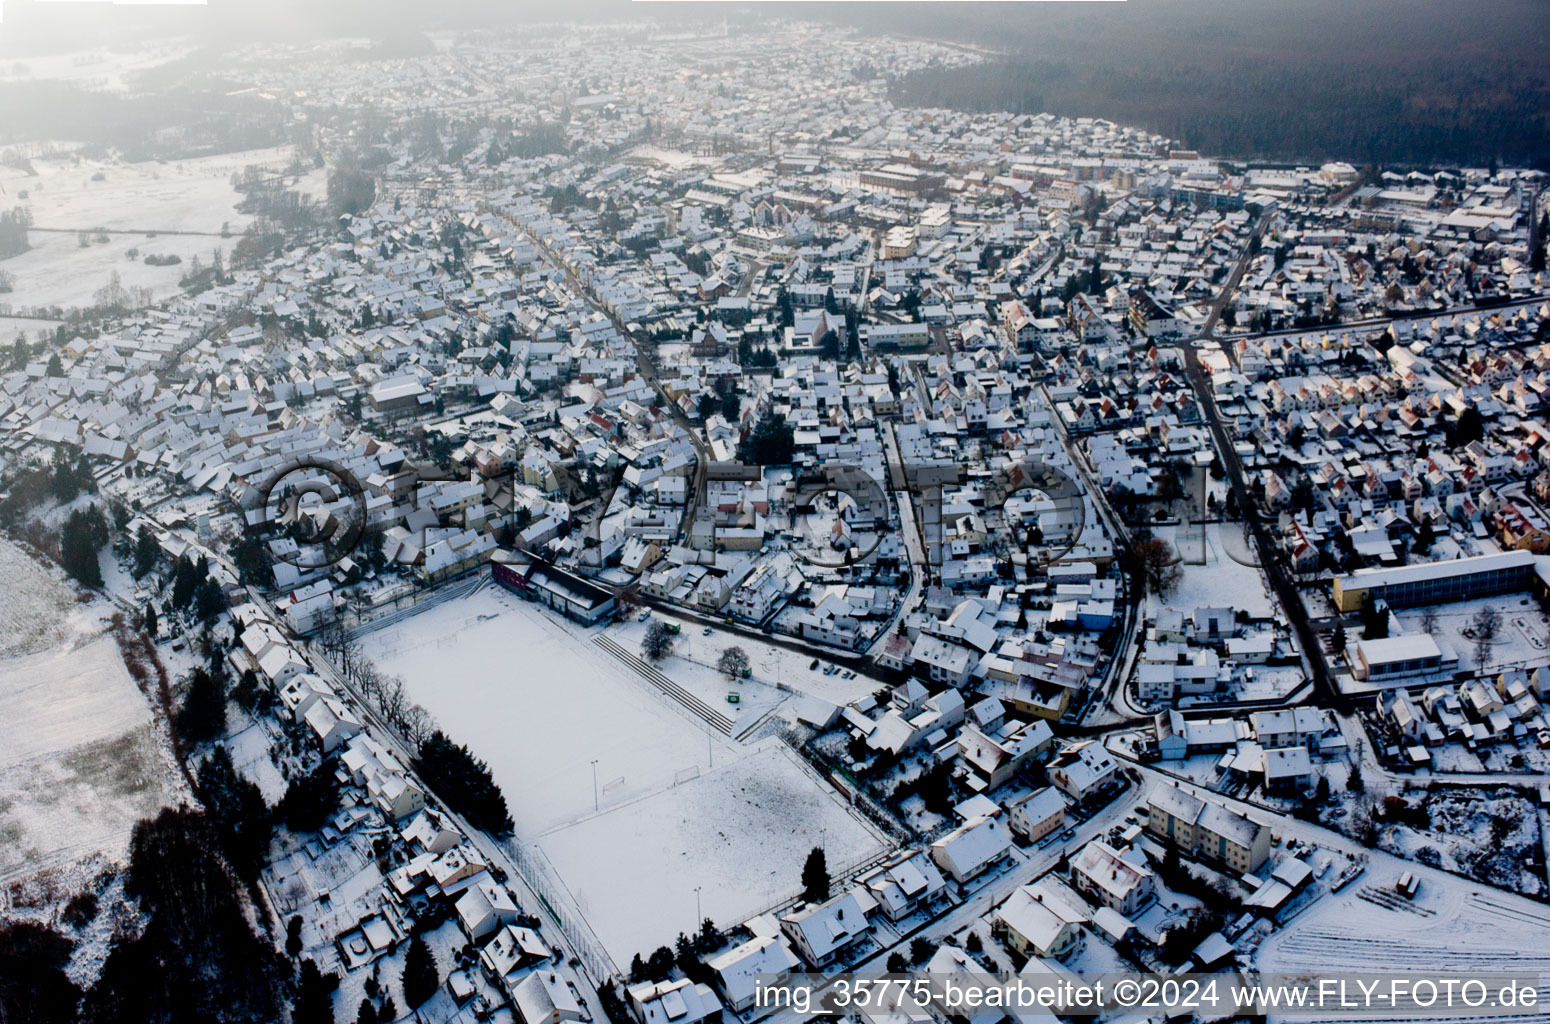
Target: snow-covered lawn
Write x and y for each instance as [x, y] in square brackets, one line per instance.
[78, 759]
[249, 744]
[771, 665]
[1522, 637]
[741, 832]
[1220, 580]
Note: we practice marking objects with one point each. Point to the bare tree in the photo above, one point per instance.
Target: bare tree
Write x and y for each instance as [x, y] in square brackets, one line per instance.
[733, 662]
[418, 725]
[1159, 566]
[368, 679]
[394, 702]
[658, 643]
[1487, 622]
[1429, 620]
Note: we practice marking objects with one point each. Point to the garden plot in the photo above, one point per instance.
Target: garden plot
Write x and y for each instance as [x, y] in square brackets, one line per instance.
[79, 762]
[1452, 926]
[1485, 836]
[696, 653]
[533, 696]
[741, 832]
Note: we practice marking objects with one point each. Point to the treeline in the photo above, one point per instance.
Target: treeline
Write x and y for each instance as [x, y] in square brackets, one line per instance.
[185, 118]
[464, 782]
[196, 958]
[13, 231]
[1429, 82]
[1365, 114]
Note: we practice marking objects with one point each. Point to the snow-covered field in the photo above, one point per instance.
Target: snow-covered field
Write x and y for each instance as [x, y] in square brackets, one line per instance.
[741, 832]
[25, 328]
[156, 196]
[38, 609]
[681, 805]
[535, 698]
[1452, 925]
[78, 758]
[96, 69]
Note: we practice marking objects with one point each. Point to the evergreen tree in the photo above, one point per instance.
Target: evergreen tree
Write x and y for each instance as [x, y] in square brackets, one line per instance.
[146, 550]
[151, 625]
[772, 442]
[310, 799]
[314, 1003]
[202, 716]
[33, 984]
[84, 532]
[367, 1013]
[186, 577]
[209, 601]
[293, 936]
[236, 808]
[195, 956]
[815, 876]
[420, 979]
[464, 782]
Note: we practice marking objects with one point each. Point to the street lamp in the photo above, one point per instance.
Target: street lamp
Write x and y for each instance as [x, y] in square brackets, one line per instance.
[699, 915]
[596, 802]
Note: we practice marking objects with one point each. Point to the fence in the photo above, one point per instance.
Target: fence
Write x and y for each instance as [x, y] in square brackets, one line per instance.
[853, 790]
[545, 881]
[409, 602]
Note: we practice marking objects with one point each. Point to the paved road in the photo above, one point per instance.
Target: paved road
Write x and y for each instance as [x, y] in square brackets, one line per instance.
[646, 366]
[914, 546]
[1281, 582]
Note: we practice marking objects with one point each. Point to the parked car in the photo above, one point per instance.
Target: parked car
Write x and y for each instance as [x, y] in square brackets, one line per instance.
[814, 666]
[705, 631]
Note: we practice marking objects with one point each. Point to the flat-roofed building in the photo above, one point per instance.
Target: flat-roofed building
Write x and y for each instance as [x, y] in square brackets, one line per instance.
[1443, 582]
[1397, 658]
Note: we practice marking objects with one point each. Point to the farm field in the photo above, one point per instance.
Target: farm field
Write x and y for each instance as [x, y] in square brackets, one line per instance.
[155, 196]
[79, 764]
